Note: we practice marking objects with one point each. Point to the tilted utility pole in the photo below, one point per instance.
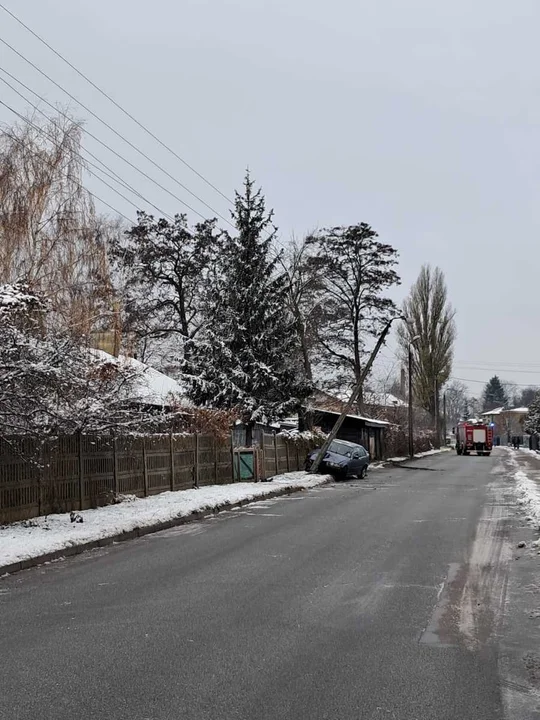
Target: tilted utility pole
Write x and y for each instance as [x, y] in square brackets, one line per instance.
[356, 391]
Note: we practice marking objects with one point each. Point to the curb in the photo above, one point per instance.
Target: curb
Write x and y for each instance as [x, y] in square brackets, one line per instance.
[141, 532]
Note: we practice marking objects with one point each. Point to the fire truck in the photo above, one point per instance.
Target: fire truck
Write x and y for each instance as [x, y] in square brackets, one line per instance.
[472, 436]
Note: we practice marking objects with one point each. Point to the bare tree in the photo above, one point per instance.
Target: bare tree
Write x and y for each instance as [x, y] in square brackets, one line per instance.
[430, 318]
[528, 395]
[304, 288]
[356, 269]
[162, 270]
[50, 235]
[457, 401]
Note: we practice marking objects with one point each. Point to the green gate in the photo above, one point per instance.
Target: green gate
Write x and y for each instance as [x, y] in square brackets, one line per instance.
[244, 465]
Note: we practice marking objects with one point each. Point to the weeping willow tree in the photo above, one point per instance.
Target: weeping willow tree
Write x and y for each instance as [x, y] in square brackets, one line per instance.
[51, 237]
[430, 328]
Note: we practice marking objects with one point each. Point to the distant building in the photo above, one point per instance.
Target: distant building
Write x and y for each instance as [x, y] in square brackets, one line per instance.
[507, 422]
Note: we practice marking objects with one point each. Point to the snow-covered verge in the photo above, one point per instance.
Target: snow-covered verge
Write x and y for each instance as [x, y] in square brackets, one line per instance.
[528, 492]
[382, 464]
[43, 535]
[533, 453]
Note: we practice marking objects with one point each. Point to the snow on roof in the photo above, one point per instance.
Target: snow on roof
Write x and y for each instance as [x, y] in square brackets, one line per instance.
[382, 423]
[383, 399]
[495, 411]
[500, 410]
[151, 387]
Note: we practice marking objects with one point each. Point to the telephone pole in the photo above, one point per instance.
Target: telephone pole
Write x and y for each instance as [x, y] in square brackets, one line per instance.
[354, 395]
[410, 400]
[437, 419]
[445, 429]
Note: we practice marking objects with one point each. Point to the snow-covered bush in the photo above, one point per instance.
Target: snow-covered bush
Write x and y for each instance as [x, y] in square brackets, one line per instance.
[50, 383]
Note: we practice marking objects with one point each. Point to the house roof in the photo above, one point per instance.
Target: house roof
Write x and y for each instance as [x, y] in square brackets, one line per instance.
[495, 411]
[503, 410]
[383, 399]
[369, 421]
[151, 386]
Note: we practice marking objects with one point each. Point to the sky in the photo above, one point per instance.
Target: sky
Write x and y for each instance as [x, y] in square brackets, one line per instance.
[418, 117]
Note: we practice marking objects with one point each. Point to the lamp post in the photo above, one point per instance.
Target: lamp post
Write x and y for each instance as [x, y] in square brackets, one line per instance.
[411, 440]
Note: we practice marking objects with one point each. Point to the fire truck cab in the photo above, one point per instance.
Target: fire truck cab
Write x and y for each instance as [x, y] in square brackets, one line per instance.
[474, 436]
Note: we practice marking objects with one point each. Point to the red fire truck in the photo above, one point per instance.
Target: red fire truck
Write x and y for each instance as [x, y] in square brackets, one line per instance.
[474, 437]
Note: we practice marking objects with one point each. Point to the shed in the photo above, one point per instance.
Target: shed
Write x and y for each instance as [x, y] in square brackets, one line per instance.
[356, 428]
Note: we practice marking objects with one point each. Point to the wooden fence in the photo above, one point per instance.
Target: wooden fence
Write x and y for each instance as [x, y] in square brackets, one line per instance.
[80, 471]
[280, 455]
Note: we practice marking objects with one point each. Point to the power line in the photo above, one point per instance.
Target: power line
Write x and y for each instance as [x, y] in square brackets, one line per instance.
[498, 369]
[94, 195]
[101, 142]
[109, 172]
[484, 382]
[496, 364]
[128, 142]
[116, 104]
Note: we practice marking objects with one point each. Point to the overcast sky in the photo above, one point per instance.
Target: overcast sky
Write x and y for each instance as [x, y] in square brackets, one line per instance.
[418, 117]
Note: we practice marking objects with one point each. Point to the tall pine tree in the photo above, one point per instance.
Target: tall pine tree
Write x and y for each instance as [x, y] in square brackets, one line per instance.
[246, 357]
[532, 421]
[494, 394]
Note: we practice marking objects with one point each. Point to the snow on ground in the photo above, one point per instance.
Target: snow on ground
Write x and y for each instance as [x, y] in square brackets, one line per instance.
[32, 538]
[528, 492]
[527, 489]
[530, 452]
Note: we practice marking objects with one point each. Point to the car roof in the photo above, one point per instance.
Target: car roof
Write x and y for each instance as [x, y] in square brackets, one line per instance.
[348, 443]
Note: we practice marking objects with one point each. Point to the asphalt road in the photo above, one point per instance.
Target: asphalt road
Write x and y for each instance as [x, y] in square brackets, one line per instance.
[376, 600]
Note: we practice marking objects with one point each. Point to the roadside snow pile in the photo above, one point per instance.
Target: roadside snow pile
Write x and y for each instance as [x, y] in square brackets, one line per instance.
[42, 535]
[528, 493]
[433, 451]
[534, 453]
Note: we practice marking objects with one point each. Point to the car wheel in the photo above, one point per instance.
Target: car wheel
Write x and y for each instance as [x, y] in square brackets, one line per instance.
[363, 472]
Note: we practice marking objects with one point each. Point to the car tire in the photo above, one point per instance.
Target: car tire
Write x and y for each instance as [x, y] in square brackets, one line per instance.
[363, 473]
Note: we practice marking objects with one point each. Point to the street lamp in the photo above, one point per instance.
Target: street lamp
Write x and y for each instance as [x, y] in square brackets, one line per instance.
[411, 441]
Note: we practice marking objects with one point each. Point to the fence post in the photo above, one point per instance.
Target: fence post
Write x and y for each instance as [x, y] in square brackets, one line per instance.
[145, 467]
[297, 456]
[115, 465]
[216, 450]
[276, 453]
[239, 463]
[287, 451]
[196, 466]
[40, 476]
[171, 448]
[232, 456]
[81, 471]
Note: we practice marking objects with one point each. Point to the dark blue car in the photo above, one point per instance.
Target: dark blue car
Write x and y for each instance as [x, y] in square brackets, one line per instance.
[342, 460]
